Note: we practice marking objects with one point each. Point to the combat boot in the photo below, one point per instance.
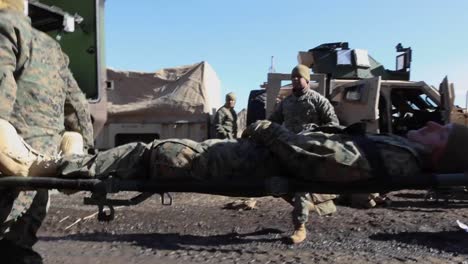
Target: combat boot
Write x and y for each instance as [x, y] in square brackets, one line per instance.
[299, 234]
[42, 166]
[72, 143]
[17, 158]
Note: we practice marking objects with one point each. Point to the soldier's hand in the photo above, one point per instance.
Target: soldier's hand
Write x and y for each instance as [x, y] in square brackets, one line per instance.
[254, 130]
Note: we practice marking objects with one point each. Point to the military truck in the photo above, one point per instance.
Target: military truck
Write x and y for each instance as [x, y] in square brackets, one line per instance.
[128, 106]
[362, 90]
[78, 26]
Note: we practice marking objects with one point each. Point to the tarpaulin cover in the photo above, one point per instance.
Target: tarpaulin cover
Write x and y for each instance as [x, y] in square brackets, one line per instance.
[183, 92]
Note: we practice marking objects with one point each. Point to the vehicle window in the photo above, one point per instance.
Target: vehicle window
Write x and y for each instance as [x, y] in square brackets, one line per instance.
[428, 100]
[411, 98]
[354, 93]
[412, 109]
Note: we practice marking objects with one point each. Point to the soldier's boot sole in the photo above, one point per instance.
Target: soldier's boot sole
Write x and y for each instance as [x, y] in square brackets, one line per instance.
[11, 167]
[17, 158]
[14, 154]
[72, 143]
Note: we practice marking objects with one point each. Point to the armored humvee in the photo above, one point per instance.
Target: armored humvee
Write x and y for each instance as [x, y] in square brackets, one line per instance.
[362, 90]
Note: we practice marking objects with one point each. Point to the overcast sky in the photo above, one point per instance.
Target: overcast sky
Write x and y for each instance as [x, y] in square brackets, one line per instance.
[239, 37]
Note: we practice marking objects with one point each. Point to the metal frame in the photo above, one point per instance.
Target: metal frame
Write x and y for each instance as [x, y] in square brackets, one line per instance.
[274, 186]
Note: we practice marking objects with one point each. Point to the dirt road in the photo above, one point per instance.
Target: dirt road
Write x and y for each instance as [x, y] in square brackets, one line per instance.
[196, 229]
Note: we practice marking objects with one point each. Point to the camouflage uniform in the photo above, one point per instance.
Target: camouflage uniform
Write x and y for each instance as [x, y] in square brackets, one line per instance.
[40, 98]
[176, 159]
[271, 150]
[304, 112]
[299, 114]
[225, 123]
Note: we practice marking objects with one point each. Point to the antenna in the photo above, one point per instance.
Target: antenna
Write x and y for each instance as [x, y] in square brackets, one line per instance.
[272, 68]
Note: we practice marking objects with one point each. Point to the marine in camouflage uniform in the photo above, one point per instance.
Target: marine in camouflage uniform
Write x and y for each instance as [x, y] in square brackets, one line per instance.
[225, 120]
[41, 99]
[304, 112]
[271, 150]
[300, 111]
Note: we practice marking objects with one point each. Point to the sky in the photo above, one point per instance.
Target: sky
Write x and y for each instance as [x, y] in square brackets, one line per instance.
[238, 38]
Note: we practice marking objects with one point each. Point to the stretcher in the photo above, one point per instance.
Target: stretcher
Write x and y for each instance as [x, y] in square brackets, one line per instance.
[100, 189]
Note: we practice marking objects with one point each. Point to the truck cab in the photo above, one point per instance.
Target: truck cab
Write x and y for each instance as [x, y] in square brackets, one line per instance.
[362, 90]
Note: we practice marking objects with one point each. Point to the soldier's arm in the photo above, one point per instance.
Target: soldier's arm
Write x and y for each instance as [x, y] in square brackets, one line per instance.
[325, 111]
[218, 122]
[277, 115]
[298, 152]
[235, 128]
[10, 59]
[77, 114]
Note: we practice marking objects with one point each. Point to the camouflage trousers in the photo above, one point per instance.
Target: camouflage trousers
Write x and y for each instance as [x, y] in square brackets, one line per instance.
[304, 202]
[161, 159]
[21, 215]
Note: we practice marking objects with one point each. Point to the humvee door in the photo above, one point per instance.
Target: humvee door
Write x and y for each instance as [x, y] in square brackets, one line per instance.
[446, 99]
[357, 101]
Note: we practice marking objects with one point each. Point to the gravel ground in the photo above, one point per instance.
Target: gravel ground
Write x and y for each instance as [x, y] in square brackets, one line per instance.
[196, 229]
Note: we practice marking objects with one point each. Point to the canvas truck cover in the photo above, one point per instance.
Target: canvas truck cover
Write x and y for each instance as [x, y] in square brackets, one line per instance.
[169, 103]
[171, 94]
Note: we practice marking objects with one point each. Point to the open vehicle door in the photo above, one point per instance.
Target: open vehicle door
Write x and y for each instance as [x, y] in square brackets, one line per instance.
[79, 28]
[358, 102]
[446, 99]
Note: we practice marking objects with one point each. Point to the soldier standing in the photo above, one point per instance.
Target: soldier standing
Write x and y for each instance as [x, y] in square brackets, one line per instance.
[225, 120]
[302, 110]
[40, 98]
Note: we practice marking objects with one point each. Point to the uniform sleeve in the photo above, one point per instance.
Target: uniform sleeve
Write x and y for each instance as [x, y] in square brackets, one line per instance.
[277, 115]
[326, 112]
[77, 114]
[288, 145]
[218, 123]
[235, 128]
[308, 157]
[9, 60]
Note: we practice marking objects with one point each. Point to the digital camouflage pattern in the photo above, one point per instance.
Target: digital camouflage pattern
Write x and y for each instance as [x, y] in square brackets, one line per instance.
[338, 161]
[299, 114]
[212, 159]
[37, 92]
[304, 112]
[225, 123]
[304, 202]
[270, 151]
[336, 157]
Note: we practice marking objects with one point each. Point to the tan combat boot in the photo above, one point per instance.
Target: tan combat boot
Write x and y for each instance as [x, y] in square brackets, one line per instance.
[17, 158]
[72, 143]
[299, 234]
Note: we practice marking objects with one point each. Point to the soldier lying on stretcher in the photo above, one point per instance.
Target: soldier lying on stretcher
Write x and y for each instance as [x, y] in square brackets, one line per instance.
[267, 150]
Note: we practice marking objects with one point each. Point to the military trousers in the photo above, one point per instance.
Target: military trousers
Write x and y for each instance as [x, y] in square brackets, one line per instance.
[160, 159]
